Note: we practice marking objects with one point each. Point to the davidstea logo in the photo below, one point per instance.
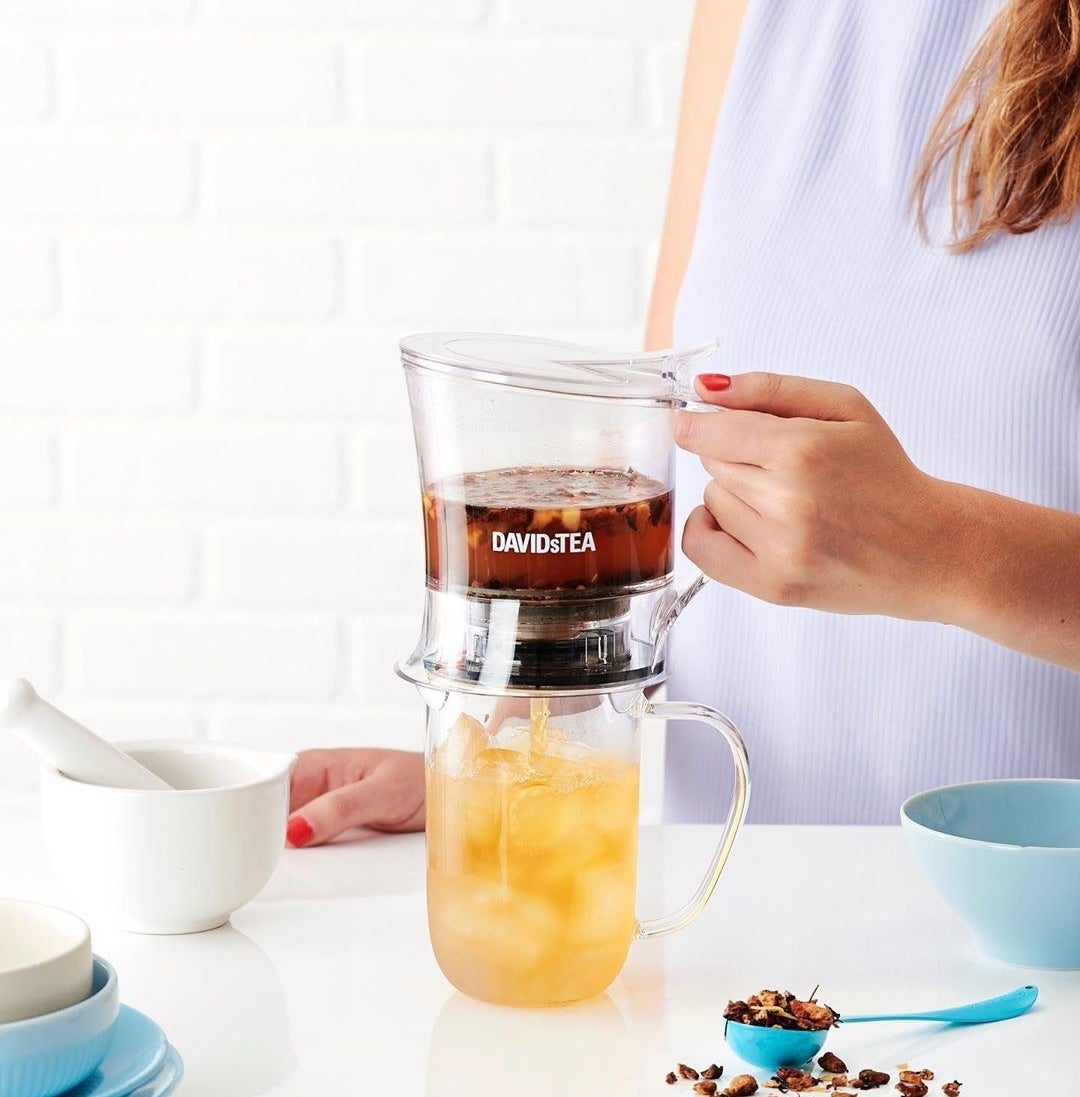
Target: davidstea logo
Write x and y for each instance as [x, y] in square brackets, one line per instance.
[542, 542]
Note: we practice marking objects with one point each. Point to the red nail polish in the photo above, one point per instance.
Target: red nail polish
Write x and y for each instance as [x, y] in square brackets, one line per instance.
[298, 832]
[715, 382]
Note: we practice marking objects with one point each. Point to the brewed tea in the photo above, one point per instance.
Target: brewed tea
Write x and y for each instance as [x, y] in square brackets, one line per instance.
[548, 531]
[531, 864]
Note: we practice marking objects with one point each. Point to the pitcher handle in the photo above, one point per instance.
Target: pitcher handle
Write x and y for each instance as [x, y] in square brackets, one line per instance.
[668, 710]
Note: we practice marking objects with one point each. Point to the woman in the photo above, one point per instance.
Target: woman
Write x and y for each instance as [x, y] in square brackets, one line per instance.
[884, 204]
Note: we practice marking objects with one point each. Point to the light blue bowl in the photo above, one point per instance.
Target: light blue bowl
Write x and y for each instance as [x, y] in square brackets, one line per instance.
[44, 1056]
[1005, 855]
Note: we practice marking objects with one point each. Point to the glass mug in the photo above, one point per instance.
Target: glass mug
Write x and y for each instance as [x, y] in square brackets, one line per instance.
[532, 821]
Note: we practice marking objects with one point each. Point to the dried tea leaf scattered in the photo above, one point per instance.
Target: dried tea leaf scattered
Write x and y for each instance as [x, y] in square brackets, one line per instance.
[870, 1079]
[793, 1080]
[712, 1071]
[671, 1079]
[706, 1087]
[687, 1072]
[832, 1064]
[742, 1085]
[952, 1089]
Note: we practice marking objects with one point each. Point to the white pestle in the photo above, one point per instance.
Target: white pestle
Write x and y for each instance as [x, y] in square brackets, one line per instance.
[66, 745]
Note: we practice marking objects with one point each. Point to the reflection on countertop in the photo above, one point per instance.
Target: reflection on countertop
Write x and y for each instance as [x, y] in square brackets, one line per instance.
[217, 992]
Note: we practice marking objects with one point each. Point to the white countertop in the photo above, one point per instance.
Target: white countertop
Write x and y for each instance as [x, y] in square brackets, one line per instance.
[326, 983]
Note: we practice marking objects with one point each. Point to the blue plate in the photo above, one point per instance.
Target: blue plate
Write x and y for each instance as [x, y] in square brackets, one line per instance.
[166, 1079]
[138, 1053]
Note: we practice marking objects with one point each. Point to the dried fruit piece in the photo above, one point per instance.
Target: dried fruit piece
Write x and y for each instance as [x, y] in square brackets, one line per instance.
[872, 1079]
[687, 1072]
[838, 1081]
[832, 1064]
[708, 1088]
[916, 1075]
[912, 1089]
[794, 1080]
[952, 1089]
[742, 1085]
[712, 1071]
[817, 1016]
[670, 1078]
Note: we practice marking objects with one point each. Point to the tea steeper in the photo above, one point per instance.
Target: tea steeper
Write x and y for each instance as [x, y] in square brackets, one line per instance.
[547, 482]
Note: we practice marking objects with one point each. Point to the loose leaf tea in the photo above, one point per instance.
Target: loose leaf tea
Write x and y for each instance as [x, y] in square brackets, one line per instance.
[773, 1009]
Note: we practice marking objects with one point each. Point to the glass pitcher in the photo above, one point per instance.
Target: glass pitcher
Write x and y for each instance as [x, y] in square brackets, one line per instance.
[547, 475]
[532, 820]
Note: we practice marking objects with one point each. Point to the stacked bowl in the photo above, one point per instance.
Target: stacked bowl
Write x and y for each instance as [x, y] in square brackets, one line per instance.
[61, 1020]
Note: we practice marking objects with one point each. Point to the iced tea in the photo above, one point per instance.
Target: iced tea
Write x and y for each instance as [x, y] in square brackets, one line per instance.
[532, 857]
[547, 532]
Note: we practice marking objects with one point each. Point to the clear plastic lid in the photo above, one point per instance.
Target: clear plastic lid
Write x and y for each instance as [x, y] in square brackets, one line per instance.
[549, 366]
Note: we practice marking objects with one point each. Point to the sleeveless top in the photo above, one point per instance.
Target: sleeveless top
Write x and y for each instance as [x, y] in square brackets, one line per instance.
[807, 260]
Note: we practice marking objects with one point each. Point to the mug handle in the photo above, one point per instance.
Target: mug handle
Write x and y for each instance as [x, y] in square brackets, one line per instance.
[687, 710]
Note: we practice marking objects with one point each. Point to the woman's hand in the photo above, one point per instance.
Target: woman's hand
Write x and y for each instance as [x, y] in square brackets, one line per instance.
[334, 790]
[813, 501]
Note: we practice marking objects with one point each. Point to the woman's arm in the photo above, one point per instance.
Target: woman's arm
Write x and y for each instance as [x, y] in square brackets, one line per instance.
[713, 36]
[1017, 574]
[813, 502]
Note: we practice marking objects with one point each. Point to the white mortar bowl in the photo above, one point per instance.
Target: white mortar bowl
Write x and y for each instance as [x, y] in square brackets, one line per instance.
[180, 861]
[45, 960]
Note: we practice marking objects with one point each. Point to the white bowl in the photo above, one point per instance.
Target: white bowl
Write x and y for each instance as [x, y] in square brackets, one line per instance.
[45, 960]
[178, 861]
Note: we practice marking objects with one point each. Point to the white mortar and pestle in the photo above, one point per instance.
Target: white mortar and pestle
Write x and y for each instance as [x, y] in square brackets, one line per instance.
[159, 836]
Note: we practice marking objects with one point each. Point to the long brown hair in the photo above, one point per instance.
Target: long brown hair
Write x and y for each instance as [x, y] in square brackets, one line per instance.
[1010, 127]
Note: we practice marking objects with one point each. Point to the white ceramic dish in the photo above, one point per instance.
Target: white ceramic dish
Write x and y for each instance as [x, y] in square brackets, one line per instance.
[45, 960]
[177, 861]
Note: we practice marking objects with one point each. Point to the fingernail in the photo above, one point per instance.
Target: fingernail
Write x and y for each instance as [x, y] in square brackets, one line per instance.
[715, 382]
[298, 832]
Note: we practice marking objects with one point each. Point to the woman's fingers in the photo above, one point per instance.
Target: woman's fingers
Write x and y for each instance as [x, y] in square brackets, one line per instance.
[748, 482]
[311, 776]
[791, 397]
[732, 515]
[748, 437]
[383, 789]
[715, 551]
[334, 812]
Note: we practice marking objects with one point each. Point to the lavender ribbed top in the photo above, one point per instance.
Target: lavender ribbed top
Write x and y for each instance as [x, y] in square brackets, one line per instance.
[807, 261]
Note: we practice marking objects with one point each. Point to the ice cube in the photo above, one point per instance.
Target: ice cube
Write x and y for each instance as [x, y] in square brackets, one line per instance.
[544, 814]
[616, 805]
[514, 736]
[464, 741]
[511, 931]
[602, 910]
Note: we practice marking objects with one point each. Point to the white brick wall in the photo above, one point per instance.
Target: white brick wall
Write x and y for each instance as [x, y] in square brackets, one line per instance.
[216, 219]
[27, 276]
[24, 80]
[74, 177]
[213, 80]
